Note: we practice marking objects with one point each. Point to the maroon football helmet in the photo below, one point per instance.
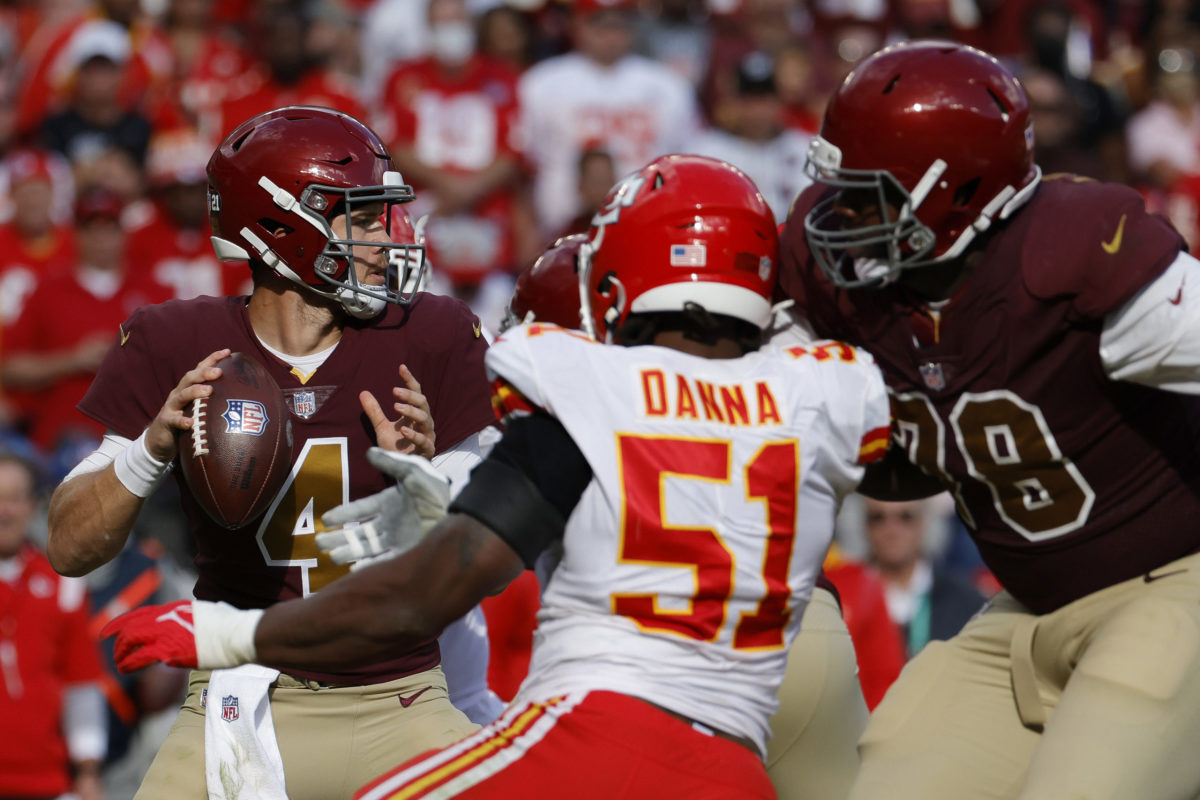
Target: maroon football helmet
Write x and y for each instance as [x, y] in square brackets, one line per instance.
[683, 231]
[934, 136]
[548, 291]
[280, 178]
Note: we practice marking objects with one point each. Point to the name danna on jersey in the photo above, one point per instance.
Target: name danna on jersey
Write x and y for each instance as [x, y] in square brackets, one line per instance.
[667, 396]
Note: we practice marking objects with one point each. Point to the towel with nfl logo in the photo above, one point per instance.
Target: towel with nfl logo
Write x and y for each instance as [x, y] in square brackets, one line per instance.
[241, 755]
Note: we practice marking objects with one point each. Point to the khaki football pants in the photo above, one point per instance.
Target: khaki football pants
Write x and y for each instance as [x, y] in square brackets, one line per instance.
[812, 751]
[332, 739]
[1098, 700]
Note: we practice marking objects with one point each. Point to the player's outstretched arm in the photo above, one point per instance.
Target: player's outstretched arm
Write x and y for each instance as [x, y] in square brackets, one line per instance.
[92, 512]
[387, 523]
[392, 605]
[368, 615]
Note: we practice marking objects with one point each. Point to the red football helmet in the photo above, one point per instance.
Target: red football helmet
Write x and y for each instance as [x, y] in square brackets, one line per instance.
[936, 137]
[683, 231]
[548, 291]
[279, 179]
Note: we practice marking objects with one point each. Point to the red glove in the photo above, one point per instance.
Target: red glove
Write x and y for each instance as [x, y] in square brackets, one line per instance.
[186, 633]
[154, 633]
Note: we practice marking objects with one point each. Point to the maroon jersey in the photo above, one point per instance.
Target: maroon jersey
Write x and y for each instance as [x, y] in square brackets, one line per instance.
[1068, 481]
[275, 557]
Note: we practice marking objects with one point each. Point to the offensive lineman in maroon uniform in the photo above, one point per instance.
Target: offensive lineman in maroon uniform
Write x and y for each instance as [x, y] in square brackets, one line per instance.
[304, 195]
[1026, 326]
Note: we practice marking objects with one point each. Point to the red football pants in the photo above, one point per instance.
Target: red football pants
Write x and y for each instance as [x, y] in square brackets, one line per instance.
[586, 746]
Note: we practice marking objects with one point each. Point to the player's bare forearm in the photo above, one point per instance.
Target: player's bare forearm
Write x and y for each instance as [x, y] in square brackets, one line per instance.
[89, 520]
[384, 609]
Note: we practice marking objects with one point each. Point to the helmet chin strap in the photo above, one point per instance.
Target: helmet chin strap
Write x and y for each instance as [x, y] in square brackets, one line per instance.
[360, 303]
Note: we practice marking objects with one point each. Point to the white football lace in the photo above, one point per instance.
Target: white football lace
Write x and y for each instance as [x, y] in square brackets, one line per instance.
[199, 440]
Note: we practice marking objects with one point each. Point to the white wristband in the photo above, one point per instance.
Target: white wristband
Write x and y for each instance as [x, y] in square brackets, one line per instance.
[137, 470]
[224, 634]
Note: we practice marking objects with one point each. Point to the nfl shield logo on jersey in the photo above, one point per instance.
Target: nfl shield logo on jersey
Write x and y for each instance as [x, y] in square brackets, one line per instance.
[305, 404]
[933, 376]
[245, 416]
[229, 707]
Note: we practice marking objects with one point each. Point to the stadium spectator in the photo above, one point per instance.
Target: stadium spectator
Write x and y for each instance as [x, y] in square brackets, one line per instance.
[769, 26]
[1062, 142]
[925, 600]
[597, 174]
[50, 698]
[93, 118]
[756, 140]
[600, 92]
[452, 121]
[677, 33]
[287, 73]
[1164, 137]
[506, 34]
[1053, 44]
[58, 354]
[50, 62]
[203, 64]
[169, 243]
[393, 31]
[35, 243]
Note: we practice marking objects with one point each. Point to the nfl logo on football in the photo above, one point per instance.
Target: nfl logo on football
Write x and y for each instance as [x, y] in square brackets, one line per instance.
[305, 404]
[229, 707]
[245, 416]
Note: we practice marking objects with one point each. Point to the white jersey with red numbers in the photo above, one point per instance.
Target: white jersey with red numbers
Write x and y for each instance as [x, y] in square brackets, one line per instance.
[691, 554]
[636, 109]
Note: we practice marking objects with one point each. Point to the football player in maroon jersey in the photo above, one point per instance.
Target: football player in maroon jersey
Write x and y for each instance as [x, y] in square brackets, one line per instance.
[1027, 326]
[307, 196]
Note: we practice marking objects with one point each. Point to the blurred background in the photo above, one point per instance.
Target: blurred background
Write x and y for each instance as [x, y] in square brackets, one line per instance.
[511, 119]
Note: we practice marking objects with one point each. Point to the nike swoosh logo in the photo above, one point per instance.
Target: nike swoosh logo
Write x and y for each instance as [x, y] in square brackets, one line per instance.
[1113, 246]
[1178, 295]
[1150, 577]
[408, 701]
[124, 335]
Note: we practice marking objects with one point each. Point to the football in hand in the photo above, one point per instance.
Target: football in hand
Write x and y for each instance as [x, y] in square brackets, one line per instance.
[238, 452]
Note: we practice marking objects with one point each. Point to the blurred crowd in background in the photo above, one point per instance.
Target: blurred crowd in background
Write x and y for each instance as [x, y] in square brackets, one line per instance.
[511, 120]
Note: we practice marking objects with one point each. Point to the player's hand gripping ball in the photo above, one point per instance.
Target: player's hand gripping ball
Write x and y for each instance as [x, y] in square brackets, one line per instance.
[238, 452]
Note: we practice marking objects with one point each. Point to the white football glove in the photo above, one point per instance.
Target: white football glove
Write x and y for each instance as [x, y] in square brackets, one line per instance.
[390, 522]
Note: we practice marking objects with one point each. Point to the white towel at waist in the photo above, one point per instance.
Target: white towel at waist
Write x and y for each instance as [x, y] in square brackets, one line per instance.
[241, 754]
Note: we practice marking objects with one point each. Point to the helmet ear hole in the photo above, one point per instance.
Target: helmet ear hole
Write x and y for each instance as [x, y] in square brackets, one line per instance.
[275, 227]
